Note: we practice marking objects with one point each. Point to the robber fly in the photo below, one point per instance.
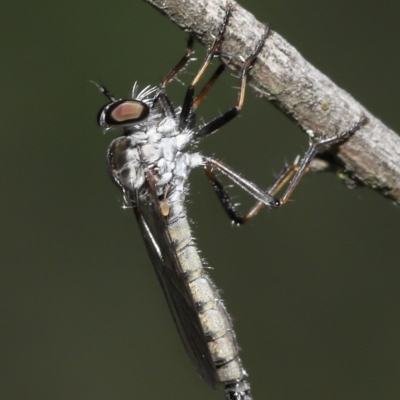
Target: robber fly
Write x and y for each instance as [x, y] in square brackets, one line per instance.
[151, 167]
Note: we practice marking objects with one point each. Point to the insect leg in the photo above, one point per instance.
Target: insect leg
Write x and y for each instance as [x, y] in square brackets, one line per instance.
[161, 96]
[229, 206]
[187, 107]
[250, 187]
[191, 120]
[292, 173]
[315, 146]
[223, 119]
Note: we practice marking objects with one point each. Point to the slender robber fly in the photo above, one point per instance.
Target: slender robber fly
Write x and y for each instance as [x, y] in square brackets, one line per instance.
[151, 167]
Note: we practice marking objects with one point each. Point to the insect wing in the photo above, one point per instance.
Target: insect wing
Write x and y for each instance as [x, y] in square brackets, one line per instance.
[169, 272]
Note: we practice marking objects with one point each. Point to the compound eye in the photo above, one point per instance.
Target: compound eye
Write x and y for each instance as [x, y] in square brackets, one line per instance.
[123, 112]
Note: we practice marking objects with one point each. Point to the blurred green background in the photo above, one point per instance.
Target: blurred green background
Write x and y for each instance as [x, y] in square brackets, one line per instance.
[313, 288]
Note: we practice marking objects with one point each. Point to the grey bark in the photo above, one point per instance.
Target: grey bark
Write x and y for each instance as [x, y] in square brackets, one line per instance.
[281, 75]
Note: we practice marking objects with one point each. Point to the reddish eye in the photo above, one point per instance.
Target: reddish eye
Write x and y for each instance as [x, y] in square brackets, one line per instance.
[123, 112]
[128, 110]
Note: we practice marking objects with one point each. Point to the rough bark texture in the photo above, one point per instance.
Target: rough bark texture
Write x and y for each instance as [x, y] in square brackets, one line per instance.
[312, 100]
